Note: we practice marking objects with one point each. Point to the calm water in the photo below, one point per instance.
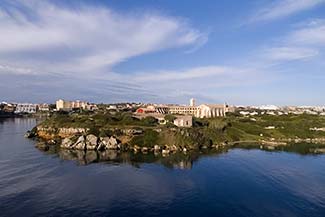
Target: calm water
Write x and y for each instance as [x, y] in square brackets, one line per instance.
[235, 183]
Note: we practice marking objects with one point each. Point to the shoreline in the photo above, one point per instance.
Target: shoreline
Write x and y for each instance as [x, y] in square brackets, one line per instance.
[123, 131]
[90, 142]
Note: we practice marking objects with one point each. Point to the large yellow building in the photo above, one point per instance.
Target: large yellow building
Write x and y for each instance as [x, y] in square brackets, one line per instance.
[201, 111]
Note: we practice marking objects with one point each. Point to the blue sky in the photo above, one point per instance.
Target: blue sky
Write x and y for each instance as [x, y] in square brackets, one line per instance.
[164, 51]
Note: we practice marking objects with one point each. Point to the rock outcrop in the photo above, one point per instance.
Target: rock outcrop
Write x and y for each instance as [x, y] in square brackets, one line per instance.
[109, 143]
[80, 144]
[66, 143]
[91, 142]
[51, 133]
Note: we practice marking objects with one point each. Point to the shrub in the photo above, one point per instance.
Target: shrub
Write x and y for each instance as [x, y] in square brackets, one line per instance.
[170, 118]
[149, 121]
[148, 139]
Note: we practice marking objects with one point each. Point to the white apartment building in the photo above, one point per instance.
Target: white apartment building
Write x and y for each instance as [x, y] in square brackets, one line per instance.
[26, 108]
[44, 107]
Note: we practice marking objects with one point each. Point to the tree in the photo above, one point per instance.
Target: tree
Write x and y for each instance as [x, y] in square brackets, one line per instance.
[170, 118]
[150, 121]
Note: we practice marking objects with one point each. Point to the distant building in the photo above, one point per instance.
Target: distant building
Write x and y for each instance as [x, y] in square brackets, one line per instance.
[159, 109]
[268, 107]
[201, 111]
[184, 121]
[244, 113]
[44, 107]
[192, 102]
[162, 109]
[70, 105]
[183, 110]
[8, 107]
[211, 111]
[26, 108]
[148, 109]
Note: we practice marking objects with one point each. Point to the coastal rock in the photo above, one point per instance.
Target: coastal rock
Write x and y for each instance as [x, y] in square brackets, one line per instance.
[51, 142]
[67, 132]
[165, 151]
[91, 142]
[30, 134]
[113, 142]
[173, 148]
[66, 143]
[80, 144]
[109, 143]
[144, 150]
[51, 132]
[136, 148]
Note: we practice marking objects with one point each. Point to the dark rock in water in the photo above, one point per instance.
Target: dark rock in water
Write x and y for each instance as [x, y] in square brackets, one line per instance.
[51, 142]
[144, 150]
[157, 148]
[30, 134]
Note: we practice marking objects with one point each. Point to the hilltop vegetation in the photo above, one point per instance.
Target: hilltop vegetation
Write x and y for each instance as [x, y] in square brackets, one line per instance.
[204, 133]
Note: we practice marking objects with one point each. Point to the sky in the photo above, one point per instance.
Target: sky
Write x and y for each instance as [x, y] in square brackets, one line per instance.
[249, 52]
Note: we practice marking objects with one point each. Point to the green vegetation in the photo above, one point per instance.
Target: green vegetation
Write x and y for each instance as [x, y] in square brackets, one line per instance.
[97, 120]
[204, 132]
[286, 126]
[170, 118]
[148, 139]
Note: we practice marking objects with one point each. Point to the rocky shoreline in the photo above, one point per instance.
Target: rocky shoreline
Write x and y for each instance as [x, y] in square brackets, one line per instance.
[81, 139]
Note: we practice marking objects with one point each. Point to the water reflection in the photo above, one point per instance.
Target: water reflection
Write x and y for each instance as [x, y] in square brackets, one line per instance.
[240, 182]
[176, 161]
[298, 148]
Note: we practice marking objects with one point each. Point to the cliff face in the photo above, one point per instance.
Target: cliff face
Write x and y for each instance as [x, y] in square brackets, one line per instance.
[48, 133]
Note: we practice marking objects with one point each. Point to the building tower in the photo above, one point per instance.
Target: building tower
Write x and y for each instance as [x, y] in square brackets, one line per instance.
[192, 102]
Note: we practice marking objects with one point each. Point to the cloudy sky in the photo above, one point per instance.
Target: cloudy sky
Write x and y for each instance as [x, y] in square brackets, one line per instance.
[240, 52]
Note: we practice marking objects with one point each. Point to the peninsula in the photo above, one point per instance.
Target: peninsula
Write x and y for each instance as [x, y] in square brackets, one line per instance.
[157, 129]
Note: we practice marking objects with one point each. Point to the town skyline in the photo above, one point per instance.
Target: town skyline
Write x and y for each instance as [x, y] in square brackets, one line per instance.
[242, 53]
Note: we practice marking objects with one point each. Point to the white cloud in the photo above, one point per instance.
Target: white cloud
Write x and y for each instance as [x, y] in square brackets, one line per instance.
[310, 34]
[175, 75]
[201, 82]
[15, 70]
[284, 8]
[289, 53]
[47, 37]
[305, 41]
